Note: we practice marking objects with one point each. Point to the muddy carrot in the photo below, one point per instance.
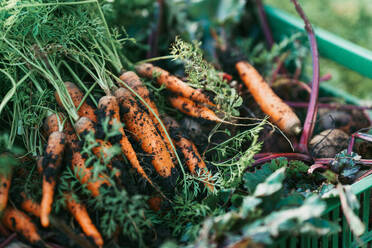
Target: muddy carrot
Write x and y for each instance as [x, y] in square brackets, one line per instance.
[80, 213]
[83, 126]
[5, 181]
[19, 222]
[193, 109]
[136, 84]
[173, 83]
[30, 206]
[77, 96]
[278, 111]
[51, 124]
[109, 106]
[144, 130]
[51, 164]
[193, 160]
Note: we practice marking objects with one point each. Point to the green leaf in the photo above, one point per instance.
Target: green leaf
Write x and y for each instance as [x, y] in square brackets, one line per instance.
[252, 179]
[271, 185]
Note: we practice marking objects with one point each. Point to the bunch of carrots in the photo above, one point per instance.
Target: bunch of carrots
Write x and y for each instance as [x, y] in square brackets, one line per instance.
[159, 136]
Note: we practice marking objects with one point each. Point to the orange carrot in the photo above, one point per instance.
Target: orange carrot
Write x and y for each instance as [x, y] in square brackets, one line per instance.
[110, 108]
[84, 174]
[135, 83]
[5, 181]
[51, 124]
[30, 206]
[51, 163]
[278, 111]
[80, 213]
[84, 126]
[193, 109]
[173, 83]
[77, 162]
[144, 130]
[77, 96]
[193, 160]
[19, 222]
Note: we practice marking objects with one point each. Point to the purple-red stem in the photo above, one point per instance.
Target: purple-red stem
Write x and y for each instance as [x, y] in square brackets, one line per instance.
[8, 240]
[327, 105]
[264, 24]
[362, 136]
[290, 156]
[154, 36]
[313, 104]
[365, 162]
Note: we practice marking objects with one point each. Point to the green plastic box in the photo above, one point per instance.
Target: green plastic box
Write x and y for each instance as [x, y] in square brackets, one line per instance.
[360, 60]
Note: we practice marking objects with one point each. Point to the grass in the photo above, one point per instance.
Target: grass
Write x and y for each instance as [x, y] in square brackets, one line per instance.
[349, 19]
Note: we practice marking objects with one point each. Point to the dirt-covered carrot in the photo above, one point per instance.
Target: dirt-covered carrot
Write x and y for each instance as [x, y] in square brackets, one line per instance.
[173, 83]
[80, 213]
[193, 160]
[83, 126]
[30, 206]
[51, 164]
[109, 107]
[83, 173]
[278, 111]
[5, 181]
[144, 131]
[19, 222]
[136, 84]
[51, 124]
[193, 109]
[85, 110]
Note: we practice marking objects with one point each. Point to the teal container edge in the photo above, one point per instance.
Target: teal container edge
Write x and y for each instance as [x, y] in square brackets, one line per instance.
[357, 59]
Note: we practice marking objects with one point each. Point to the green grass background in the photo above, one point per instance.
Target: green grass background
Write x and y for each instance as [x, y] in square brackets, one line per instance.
[350, 19]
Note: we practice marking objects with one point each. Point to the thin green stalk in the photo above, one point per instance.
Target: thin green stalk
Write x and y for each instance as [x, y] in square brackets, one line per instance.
[12, 91]
[78, 80]
[156, 59]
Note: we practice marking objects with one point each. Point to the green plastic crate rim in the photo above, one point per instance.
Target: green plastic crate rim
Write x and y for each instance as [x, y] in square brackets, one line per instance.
[357, 59]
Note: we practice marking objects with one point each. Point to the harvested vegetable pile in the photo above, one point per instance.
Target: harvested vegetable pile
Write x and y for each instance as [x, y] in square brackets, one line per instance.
[141, 124]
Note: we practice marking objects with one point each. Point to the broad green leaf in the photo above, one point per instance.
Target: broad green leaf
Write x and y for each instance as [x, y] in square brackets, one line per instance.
[271, 185]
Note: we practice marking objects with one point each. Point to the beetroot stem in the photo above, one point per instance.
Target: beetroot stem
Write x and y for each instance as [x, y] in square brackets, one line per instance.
[313, 104]
[290, 156]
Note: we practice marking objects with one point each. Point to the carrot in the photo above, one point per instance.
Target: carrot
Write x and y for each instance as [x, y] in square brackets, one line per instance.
[51, 125]
[30, 206]
[193, 109]
[278, 111]
[173, 83]
[85, 125]
[135, 83]
[17, 221]
[193, 160]
[110, 108]
[80, 213]
[84, 174]
[77, 162]
[141, 125]
[77, 96]
[51, 163]
[5, 181]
